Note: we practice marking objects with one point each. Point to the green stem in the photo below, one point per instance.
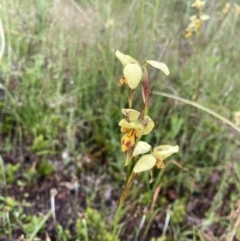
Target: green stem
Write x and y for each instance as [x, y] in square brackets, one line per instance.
[129, 170]
[121, 202]
[130, 98]
[199, 59]
[117, 218]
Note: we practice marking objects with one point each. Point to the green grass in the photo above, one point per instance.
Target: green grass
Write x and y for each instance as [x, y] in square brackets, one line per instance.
[60, 112]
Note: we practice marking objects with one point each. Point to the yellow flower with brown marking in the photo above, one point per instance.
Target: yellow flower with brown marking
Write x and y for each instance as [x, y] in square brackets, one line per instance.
[195, 24]
[134, 126]
[148, 161]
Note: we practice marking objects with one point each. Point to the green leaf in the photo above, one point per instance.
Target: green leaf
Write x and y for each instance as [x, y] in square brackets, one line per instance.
[133, 75]
[141, 148]
[145, 163]
[159, 65]
[125, 59]
[2, 40]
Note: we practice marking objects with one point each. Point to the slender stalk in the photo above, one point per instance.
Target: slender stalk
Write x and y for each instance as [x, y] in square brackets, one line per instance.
[199, 59]
[53, 193]
[128, 187]
[130, 98]
[2, 40]
[9, 223]
[85, 229]
[149, 222]
[145, 90]
[122, 201]
[140, 227]
[7, 38]
[129, 170]
[235, 229]
[117, 218]
[166, 223]
[3, 179]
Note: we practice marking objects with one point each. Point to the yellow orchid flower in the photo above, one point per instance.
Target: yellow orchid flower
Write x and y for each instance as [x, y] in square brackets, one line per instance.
[188, 33]
[227, 8]
[147, 162]
[195, 24]
[134, 127]
[198, 4]
[237, 8]
[162, 152]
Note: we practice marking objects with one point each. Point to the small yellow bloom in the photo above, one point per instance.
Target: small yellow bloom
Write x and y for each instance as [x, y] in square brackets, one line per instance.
[129, 139]
[162, 152]
[132, 130]
[195, 23]
[188, 34]
[237, 118]
[198, 4]
[109, 23]
[148, 161]
[193, 18]
[191, 25]
[227, 8]
[237, 8]
[133, 127]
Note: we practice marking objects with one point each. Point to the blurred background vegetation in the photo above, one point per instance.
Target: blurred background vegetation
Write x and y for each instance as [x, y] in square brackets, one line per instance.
[60, 101]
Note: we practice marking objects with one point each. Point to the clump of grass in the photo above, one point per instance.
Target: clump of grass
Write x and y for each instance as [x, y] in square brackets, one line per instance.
[91, 227]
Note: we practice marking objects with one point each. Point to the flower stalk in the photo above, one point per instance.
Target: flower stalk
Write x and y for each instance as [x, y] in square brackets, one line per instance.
[122, 201]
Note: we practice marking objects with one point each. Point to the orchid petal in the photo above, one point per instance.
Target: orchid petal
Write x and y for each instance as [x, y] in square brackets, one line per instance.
[193, 18]
[141, 148]
[128, 140]
[204, 17]
[145, 163]
[148, 128]
[133, 74]
[130, 125]
[133, 114]
[125, 59]
[159, 65]
[164, 151]
[237, 118]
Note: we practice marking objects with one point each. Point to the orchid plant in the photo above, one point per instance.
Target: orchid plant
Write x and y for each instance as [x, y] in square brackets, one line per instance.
[139, 155]
[196, 27]
[197, 20]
